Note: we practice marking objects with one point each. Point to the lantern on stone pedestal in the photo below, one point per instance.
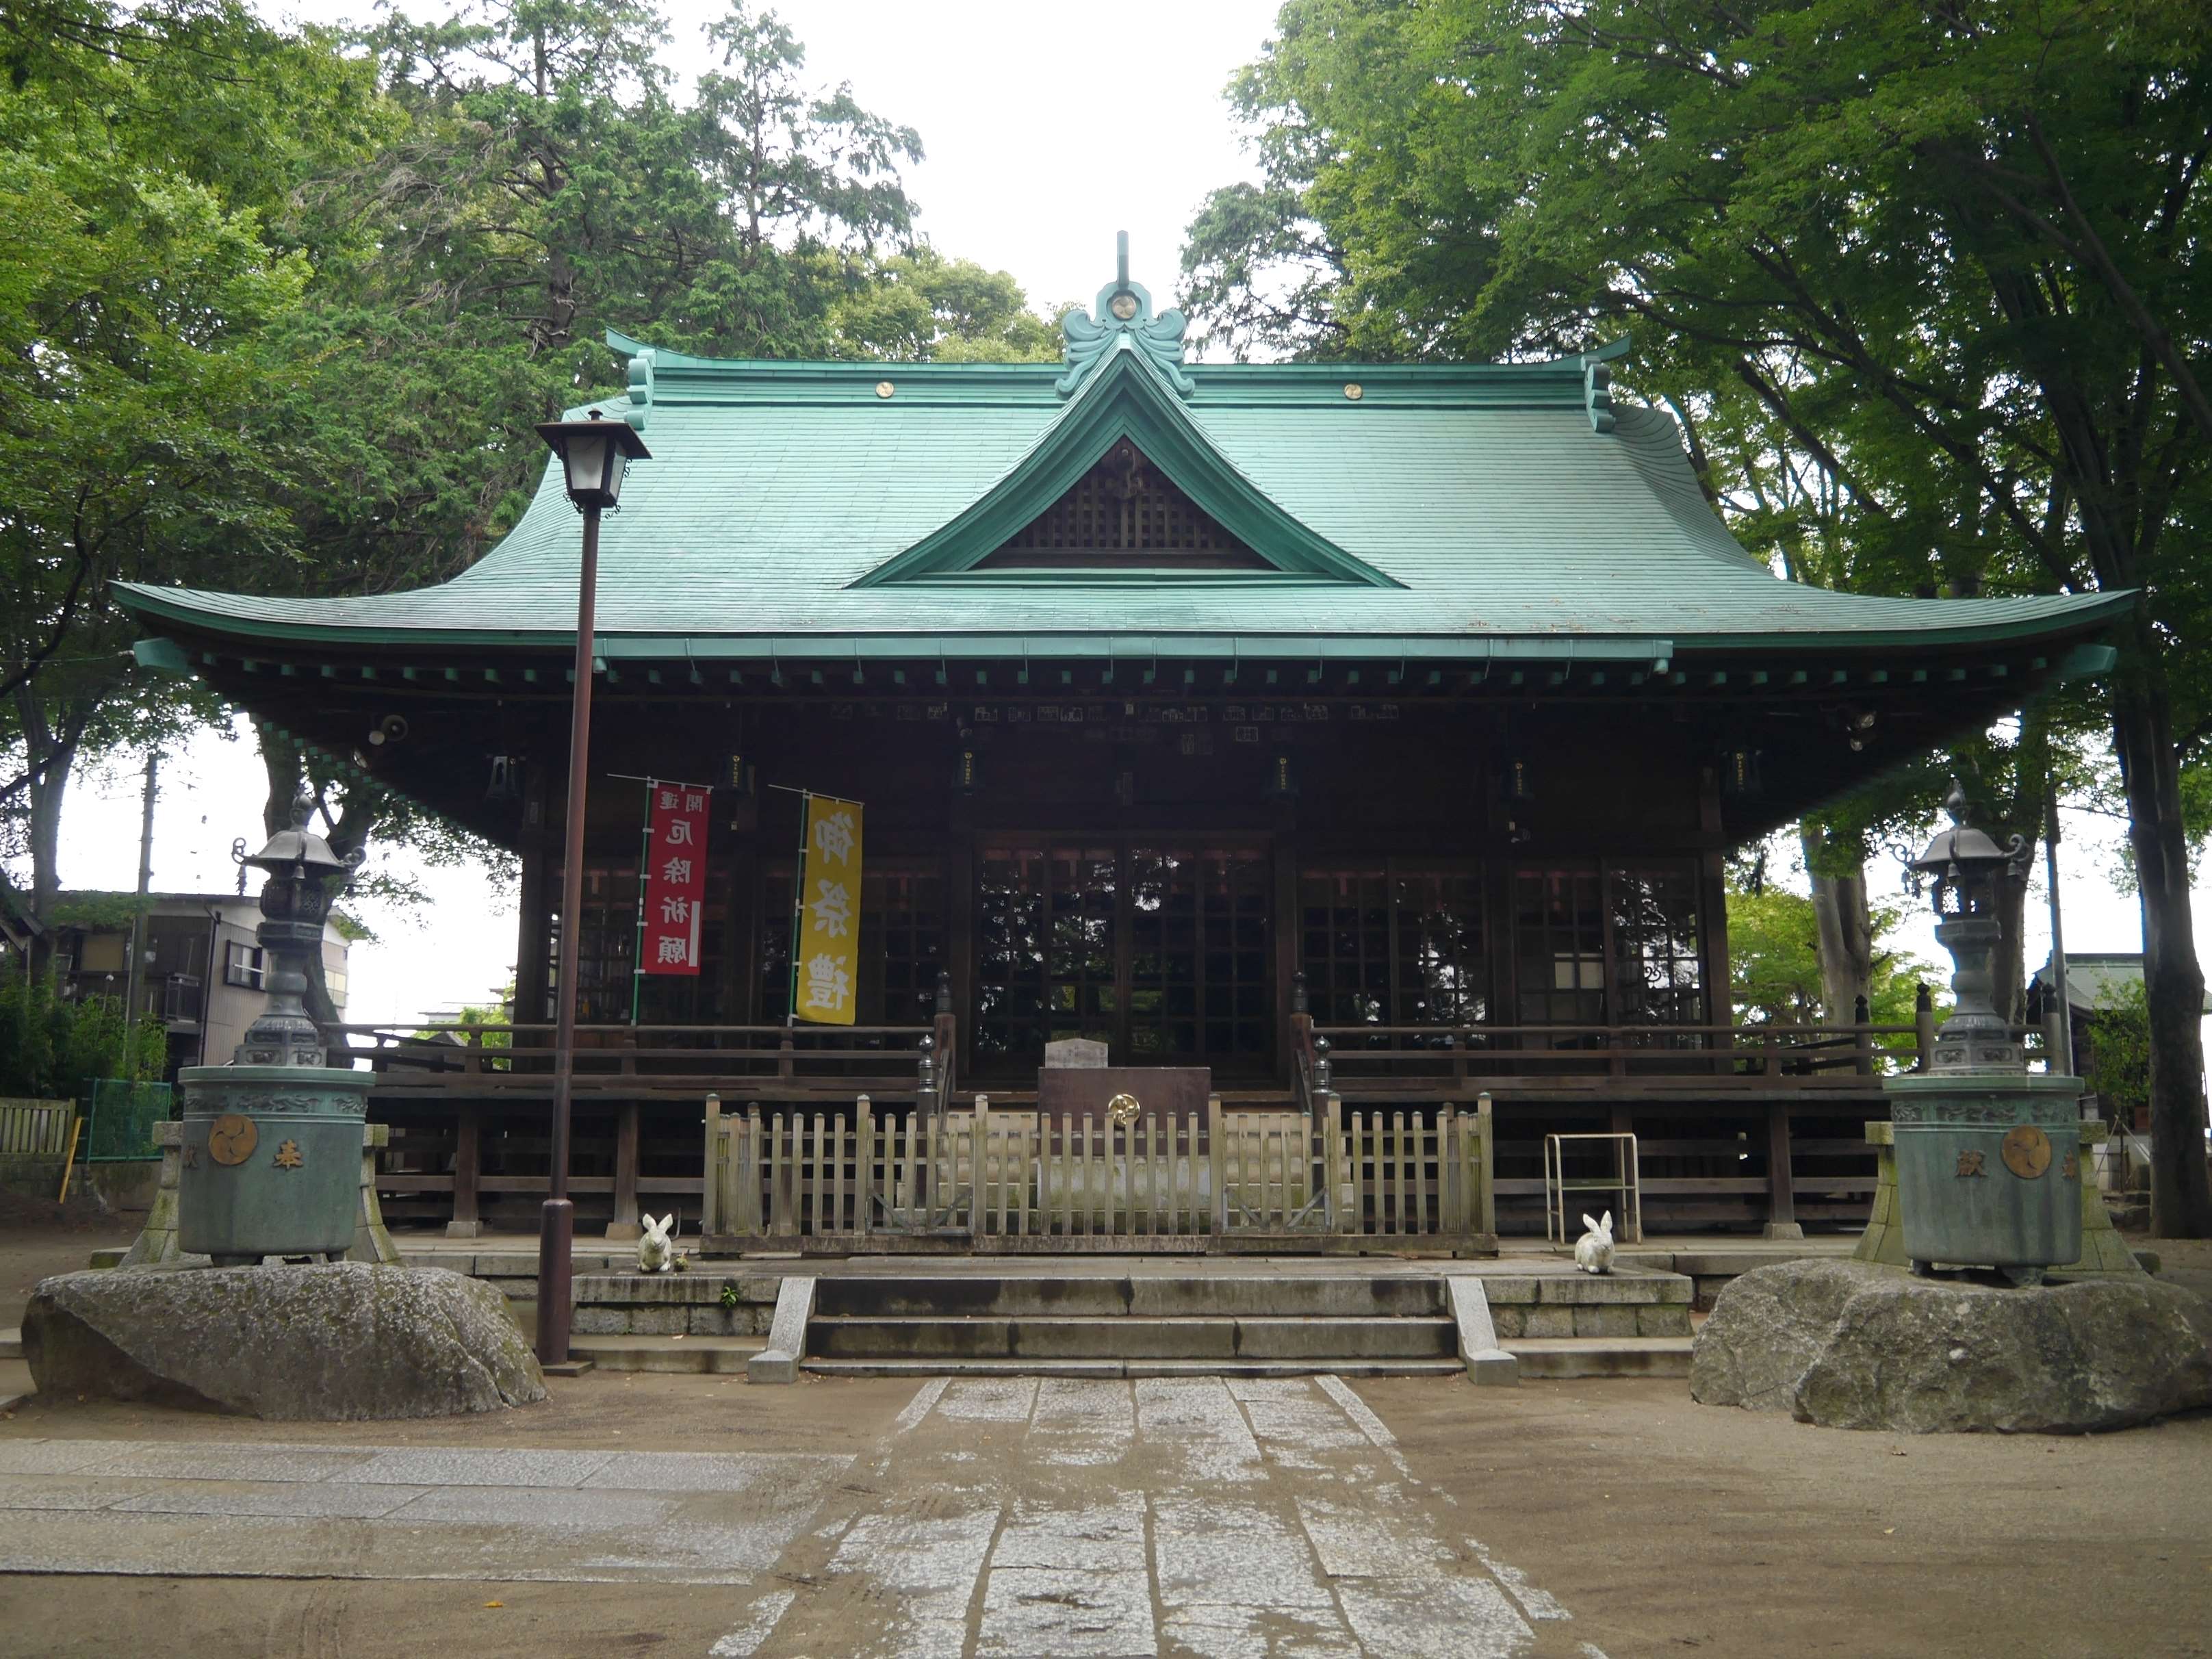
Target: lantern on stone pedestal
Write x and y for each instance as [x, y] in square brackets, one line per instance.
[270, 1161]
[1988, 1158]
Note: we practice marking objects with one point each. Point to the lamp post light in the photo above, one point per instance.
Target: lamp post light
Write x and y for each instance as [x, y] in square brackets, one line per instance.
[593, 453]
[1988, 1155]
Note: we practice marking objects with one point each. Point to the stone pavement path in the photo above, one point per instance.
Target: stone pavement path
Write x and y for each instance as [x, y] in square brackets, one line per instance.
[1198, 1515]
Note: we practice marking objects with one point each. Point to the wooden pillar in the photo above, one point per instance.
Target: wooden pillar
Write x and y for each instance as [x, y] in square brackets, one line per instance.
[1781, 1195]
[740, 994]
[468, 1168]
[959, 867]
[534, 934]
[1712, 910]
[624, 1222]
[1285, 924]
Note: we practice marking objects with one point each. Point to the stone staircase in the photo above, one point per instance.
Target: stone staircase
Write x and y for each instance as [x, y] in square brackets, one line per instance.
[1132, 1326]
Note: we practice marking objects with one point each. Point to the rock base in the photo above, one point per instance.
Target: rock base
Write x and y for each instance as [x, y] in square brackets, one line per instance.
[1851, 1345]
[335, 1341]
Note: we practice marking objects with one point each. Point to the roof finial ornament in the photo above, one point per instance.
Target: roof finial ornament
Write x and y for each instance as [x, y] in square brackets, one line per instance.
[1124, 310]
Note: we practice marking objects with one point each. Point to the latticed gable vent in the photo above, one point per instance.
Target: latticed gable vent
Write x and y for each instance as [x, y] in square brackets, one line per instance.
[1123, 513]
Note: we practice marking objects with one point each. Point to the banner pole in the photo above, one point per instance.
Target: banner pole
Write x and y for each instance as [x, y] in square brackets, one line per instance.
[797, 907]
[644, 873]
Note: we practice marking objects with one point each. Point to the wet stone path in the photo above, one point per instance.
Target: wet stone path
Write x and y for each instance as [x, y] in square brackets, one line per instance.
[1201, 1515]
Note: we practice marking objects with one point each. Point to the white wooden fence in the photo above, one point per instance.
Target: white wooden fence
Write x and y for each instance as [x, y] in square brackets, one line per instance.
[844, 1177]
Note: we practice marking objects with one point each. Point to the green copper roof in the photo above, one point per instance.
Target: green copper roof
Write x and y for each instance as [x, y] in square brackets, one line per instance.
[800, 509]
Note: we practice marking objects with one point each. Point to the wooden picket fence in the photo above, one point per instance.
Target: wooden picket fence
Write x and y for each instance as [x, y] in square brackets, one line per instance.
[844, 1179]
[35, 1128]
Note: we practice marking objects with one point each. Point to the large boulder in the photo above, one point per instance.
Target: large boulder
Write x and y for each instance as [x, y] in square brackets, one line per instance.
[1873, 1348]
[340, 1340]
[1766, 1328]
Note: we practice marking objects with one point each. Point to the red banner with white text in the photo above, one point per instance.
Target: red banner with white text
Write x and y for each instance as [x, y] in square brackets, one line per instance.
[675, 879]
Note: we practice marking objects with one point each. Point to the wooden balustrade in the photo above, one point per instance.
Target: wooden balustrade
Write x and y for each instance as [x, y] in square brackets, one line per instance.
[1441, 1062]
[642, 1060]
[844, 1179]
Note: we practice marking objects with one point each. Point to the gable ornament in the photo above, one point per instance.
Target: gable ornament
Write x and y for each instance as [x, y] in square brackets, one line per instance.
[1123, 312]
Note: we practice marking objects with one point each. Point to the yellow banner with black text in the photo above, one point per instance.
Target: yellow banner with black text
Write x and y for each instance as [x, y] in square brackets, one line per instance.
[825, 963]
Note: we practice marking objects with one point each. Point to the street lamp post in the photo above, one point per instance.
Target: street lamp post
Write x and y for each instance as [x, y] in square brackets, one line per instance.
[593, 453]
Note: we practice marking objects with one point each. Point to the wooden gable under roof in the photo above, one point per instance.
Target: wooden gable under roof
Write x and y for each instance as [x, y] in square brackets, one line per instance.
[1123, 514]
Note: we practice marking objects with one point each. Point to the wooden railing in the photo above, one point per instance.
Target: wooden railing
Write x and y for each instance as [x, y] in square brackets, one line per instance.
[1430, 1061]
[682, 1060]
[846, 1179]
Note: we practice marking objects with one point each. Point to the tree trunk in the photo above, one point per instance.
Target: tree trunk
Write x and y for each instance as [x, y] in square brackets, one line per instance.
[49, 753]
[2173, 982]
[1846, 931]
[2009, 962]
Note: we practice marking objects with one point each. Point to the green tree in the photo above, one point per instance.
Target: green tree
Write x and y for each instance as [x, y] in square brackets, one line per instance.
[923, 307]
[139, 288]
[1776, 964]
[1946, 259]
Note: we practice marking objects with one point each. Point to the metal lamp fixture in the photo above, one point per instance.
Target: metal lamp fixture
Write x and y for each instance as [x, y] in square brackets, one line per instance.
[594, 453]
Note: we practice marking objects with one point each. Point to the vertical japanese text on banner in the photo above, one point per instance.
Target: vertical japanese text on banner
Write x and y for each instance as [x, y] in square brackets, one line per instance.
[674, 886]
[825, 966]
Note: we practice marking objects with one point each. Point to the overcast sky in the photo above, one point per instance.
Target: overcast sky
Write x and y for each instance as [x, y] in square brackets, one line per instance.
[1048, 129]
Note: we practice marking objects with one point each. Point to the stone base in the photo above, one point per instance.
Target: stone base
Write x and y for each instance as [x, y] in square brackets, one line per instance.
[1848, 1345]
[338, 1342]
[1783, 1229]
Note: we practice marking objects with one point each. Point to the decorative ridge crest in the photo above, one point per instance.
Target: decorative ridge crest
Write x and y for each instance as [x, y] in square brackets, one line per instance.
[1123, 313]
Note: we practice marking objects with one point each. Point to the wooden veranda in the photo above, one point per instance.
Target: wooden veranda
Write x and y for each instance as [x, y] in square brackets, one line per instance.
[1738, 1126]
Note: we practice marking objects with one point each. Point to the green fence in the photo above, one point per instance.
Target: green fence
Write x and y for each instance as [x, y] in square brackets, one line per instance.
[119, 1118]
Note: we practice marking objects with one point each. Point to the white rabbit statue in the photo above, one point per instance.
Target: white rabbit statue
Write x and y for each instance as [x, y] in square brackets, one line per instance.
[1594, 1250]
[656, 1254]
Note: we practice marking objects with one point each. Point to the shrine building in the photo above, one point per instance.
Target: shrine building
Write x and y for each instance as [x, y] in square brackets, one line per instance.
[1368, 736]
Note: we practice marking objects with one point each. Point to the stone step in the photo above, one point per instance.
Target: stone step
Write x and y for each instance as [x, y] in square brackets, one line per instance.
[699, 1355]
[1550, 1358]
[1134, 1368]
[11, 1343]
[1136, 1295]
[1129, 1337]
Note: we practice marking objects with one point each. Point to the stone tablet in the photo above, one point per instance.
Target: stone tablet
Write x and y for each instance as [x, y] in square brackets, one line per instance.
[1075, 1053]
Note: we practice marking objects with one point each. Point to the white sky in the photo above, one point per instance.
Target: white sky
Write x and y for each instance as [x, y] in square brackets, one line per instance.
[1048, 129]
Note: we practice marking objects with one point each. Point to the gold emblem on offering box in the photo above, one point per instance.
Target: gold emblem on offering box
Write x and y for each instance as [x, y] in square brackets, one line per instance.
[287, 1155]
[1970, 1164]
[232, 1138]
[1123, 1110]
[2027, 1151]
